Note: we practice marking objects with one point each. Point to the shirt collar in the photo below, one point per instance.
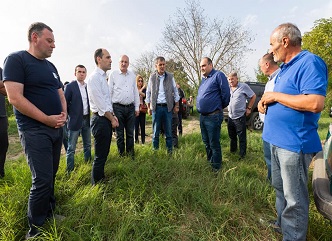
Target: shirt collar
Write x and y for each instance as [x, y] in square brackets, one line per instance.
[274, 74]
[100, 71]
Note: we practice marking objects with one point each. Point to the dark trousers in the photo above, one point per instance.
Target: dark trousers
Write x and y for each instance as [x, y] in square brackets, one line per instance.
[3, 143]
[42, 147]
[180, 122]
[101, 129]
[237, 129]
[140, 126]
[175, 123]
[126, 118]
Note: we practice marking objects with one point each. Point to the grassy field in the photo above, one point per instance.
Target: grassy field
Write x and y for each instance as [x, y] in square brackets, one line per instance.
[157, 196]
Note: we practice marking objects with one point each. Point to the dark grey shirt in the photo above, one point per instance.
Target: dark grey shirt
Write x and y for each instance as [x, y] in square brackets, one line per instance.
[237, 104]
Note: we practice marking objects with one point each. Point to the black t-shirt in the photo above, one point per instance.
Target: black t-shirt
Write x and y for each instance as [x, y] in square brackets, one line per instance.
[2, 101]
[41, 83]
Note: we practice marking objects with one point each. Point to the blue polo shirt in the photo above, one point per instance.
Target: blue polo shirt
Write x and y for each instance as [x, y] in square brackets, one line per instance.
[41, 84]
[213, 93]
[291, 129]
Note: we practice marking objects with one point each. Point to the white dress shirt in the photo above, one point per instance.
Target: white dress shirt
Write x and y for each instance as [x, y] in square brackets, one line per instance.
[123, 88]
[99, 95]
[84, 96]
[269, 88]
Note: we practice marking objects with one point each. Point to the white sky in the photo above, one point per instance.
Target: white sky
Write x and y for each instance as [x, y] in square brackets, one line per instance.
[132, 27]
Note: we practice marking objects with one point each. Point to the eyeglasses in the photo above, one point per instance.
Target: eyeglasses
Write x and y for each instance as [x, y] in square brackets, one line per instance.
[140, 80]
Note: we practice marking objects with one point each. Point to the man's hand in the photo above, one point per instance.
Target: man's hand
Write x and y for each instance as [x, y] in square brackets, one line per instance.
[261, 107]
[56, 121]
[115, 122]
[136, 113]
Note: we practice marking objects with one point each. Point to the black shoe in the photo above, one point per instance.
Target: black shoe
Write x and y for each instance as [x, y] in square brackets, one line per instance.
[136, 141]
[32, 233]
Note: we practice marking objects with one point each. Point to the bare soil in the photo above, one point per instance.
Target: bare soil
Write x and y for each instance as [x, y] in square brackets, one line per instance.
[190, 125]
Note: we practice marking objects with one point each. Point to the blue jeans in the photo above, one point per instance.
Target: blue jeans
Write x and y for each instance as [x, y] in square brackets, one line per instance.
[126, 118]
[159, 116]
[267, 157]
[101, 129]
[210, 130]
[85, 131]
[290, 180]
[42, 147]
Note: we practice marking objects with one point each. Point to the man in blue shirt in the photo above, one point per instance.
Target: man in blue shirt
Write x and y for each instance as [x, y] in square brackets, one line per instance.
[213, 96]
[292, 112]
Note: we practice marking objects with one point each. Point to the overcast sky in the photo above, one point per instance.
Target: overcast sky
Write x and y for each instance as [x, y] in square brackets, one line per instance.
[132, 27]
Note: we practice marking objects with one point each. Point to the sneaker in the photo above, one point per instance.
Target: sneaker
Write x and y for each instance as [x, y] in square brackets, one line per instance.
[58, 217]
[274, 225]
[32, 234]
[271, 224]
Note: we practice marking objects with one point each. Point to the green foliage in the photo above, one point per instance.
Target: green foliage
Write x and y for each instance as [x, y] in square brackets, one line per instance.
[260, 77]
[9, 108]
[156, 197]
[319, 42]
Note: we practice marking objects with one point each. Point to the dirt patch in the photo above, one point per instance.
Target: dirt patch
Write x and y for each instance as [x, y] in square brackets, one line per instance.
[189, 125]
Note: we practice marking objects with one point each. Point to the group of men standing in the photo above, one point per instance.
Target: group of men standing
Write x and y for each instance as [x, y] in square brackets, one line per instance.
[291, 106]
[291, 111]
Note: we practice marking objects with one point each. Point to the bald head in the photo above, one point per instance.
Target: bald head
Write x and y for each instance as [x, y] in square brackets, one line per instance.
[124, 63]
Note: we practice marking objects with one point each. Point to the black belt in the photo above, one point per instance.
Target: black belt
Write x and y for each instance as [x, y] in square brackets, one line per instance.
[210, 113]
[118, 104]
[162, 104]
[86, 116]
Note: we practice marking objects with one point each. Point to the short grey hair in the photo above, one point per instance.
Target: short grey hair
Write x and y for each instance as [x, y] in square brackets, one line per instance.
[291, 31]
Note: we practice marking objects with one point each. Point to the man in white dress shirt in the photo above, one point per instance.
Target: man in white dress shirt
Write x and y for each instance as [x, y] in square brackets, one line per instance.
[103, 118]
[125, 103]
[271, 69]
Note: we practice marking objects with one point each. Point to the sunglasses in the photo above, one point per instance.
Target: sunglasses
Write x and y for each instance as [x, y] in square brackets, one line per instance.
[140, 80]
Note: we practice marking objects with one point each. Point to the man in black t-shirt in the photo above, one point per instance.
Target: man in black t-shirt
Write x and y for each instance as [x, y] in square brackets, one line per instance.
[3, 127]
[35, 90]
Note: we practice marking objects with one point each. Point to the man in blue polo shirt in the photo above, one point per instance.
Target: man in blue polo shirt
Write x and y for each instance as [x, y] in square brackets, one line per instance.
[213, 96]
[291, 121]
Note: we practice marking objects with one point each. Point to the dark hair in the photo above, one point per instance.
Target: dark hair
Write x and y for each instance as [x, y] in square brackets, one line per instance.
[98, 53]
[209, 61]
[269, 58]
[79, 66]
[160, 59]
[291, 31]
[37, 27]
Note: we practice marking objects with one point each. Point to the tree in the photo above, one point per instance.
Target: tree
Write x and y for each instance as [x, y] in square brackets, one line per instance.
[144, 65]
[319, 42]
[190, 35]
[179, 75]
[260, 76]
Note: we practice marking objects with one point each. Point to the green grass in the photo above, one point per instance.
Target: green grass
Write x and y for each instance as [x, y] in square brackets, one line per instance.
[157, 196]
